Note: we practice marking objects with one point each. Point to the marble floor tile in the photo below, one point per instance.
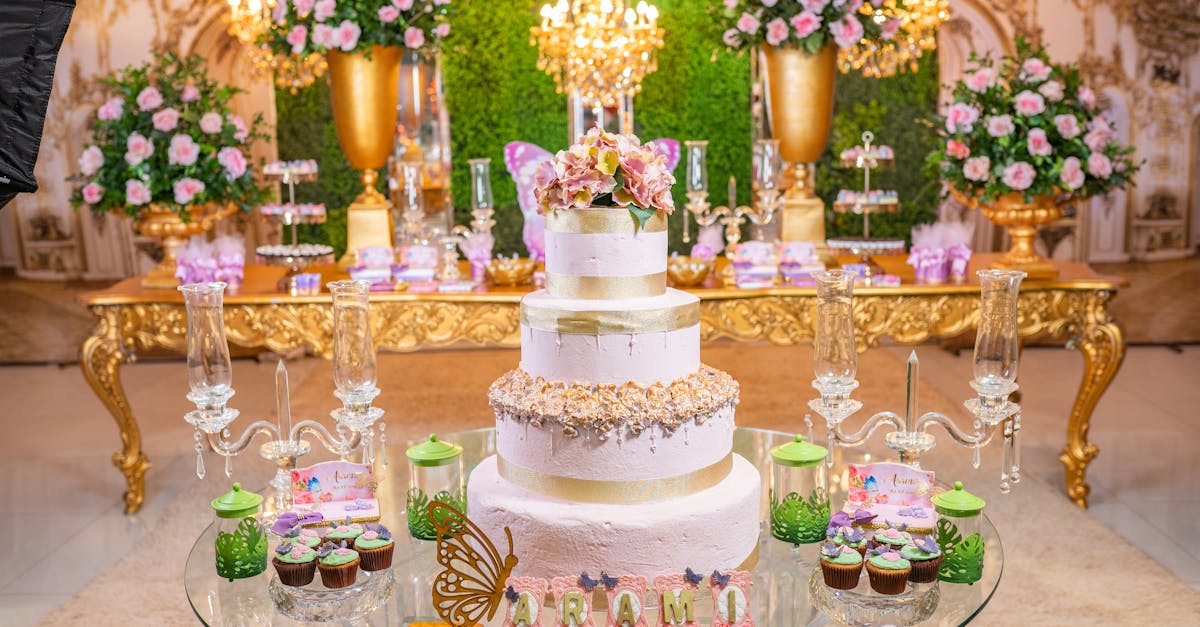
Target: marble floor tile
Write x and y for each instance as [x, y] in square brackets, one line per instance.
[27, 609]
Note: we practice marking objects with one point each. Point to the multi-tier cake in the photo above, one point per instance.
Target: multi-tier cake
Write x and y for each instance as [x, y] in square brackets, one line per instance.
[613, 442]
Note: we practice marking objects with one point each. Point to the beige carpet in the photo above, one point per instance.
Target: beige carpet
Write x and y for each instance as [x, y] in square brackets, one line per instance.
[1062, 567]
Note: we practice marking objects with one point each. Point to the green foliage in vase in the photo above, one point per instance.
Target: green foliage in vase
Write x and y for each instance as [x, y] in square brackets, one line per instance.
[799, 520]
[417, 511]
[243, 553]
[963, 557]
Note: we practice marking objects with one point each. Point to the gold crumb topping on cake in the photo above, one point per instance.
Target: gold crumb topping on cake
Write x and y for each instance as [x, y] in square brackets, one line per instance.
[604, 408]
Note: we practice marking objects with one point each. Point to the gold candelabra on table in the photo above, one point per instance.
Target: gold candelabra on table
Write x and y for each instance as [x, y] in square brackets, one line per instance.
[600, 49]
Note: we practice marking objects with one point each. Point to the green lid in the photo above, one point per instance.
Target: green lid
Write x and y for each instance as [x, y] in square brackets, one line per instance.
[958, 502]
[434, 452]
[799, 453]
[237, 503]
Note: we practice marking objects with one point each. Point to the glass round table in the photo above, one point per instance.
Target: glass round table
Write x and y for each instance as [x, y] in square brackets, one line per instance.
[787, 585]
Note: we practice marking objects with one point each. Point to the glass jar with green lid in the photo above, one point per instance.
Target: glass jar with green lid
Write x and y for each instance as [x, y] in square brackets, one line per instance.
[799, 495]
[241, 543]
[435, 473]
[958, 535]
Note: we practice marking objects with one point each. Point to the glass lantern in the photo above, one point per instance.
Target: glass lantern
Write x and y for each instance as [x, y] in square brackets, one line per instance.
[997, 349]
[799, 493]
[835, 358]
[958, 535]
[435, 471]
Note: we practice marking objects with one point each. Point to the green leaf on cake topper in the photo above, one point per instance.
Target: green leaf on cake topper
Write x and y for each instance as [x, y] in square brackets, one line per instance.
[798, 520]
[641, 215]
[243, 553]
[962, 560]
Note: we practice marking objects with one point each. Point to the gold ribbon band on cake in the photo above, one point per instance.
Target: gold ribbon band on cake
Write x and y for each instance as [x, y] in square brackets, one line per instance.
[606, 287]
[610, 322]
[615, 492]
[606, 220]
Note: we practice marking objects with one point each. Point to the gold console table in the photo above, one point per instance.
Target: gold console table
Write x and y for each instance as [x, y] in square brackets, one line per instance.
[133, 320]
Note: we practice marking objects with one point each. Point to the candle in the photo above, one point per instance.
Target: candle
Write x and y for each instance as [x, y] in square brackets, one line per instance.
[283, 406]
[732, 192]
[910, 407]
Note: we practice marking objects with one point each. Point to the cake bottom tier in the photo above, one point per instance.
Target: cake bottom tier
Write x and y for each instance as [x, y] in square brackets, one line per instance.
[716, 528]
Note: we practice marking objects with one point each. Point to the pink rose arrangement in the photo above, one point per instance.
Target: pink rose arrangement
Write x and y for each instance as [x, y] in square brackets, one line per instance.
[1026, 125]
[304, 27]
[604, 169]
[167, 137]
[807, 24]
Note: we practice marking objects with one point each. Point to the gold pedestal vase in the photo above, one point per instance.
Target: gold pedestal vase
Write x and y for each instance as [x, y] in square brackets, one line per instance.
[1022, 219]
[800, 97]
[168, 224]
[363, 89]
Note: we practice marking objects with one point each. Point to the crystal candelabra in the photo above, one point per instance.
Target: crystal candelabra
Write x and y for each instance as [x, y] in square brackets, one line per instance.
[211, 386]
[767, 166]
[996, 357]
[768, 197]
[476, 242]
[411, 227]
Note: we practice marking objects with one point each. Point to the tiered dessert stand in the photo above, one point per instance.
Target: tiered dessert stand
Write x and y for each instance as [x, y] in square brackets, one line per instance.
[867, 157]
[295, 256]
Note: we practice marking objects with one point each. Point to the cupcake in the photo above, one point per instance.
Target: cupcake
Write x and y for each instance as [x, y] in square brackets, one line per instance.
[851, 537]
[892, 538]
[295, 563]
[375, 547]
[346, 532]
[308, 537]
[887, 569]
[338, 565]
[841, 566]
[926, 558]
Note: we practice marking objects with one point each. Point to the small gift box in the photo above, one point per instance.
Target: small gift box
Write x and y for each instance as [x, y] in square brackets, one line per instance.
[940, 251]
[960, 258]
[755, 264]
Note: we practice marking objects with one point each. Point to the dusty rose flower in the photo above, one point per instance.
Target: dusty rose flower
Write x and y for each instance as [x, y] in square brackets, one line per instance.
[1038, 144]
[303, 7]
[149, 98]
[731, 38]
[297, 37]
[1067, 125]
[977, 169]
[1098, 138]
[388, 13]
[1052, 90]
[1019, 176]
[403, 5]
[240, 131]
[92, 193]
[440, 2]
[957, 149]
[414, 37]
[748, 24]
[183, 150]
[91, 160]
[137, 148]
[889, 29]
[190, 93]
[111, 110]
[442, 30]
[1029, 103]
[805, 23]
[1071, 175]
[847, 32]
[961, 117]
[165, 120]
[1087, 97]
[280, 12]
[852, 6]
[1036, 69]
[233, 161]
[816, 6]
[1099, 165]
[324, 9]
[211, 123]
[729, 4]
[136, 192]
[777, 31]
[186, 189]
[981, 80]
[999, 125]
[323, 35]
[347, 35]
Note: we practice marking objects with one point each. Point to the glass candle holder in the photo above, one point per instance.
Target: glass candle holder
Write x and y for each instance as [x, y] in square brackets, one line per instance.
[835, 358]
[799, 494]
[767, 164]
[435, 474]
[210, 371]
[996, 344]
[412, 202]
[959, 535]
[697, 165]
[354, 373]
[481, 185]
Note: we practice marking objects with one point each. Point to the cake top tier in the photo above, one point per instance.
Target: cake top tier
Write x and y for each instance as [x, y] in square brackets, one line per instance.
[602, 253]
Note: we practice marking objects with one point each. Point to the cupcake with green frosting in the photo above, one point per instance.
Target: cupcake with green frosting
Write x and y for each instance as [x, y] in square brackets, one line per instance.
[338, 565]
[375, 547]
[299, 535]
[892, 537]
[295, 563]
[887, 569]
[926, 558]
[345, 532]
[841, 566]
[849, 536]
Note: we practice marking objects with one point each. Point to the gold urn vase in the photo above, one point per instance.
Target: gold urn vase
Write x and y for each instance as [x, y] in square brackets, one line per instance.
[168, 224]
[1022, 219]
[363, 89]
[800, 96]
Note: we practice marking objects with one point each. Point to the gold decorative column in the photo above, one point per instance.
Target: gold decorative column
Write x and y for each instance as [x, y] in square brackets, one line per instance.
[364, 92]
[800, 87]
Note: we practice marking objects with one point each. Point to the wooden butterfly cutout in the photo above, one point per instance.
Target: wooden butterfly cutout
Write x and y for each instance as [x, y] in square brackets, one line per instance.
[473, 577]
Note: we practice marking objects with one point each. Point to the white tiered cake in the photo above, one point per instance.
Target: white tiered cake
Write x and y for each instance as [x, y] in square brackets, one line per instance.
[613, 441]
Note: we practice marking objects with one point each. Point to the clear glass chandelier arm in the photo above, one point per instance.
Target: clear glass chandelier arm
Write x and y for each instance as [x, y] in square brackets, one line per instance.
[874, 422]
[342, 444]
[221, 446]
[981, 436]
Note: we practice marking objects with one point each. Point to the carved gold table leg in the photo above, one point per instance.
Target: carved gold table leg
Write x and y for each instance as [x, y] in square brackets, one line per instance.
[101, 357]
[1102, 343]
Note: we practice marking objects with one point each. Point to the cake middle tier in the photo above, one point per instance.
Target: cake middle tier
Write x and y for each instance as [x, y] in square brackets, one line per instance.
[643, 340]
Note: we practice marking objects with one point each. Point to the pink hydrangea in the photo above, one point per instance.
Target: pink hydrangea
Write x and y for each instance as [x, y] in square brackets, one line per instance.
[414, 37]
[805, 23]
[323, 35]
[999, 125]
[347, 35]
[186, 189]
[149, 99]
[777, 31]
[183, 150]
[1067, 125]
[1019, 176]
[233, 161]
[1099, 166]
[961, 117]
[324, 9]
[1052, 90]
[136, 192]
[240, 132]
[847, 32]
[165, 120]
[442, 30]
[889, 29]
[1029, 103]
[957, 149]
[977, 169]
[303, 7]
[1087, 97]
[1036, 69]
[111, 109]
[748, 24]
[211, 123]
[388, 13]
[92, 193]
[1071, 175]
[981, 80]
[91, 160]
[1038, 144]
[137, 148]
[297, 38]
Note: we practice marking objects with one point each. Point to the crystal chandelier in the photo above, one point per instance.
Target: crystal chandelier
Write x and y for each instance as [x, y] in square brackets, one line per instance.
[919, 22]
[248, 21]
[600, 49]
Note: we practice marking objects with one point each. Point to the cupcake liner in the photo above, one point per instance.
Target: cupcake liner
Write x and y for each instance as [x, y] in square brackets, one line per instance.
[296, 574]
[339, 576]
[381, 558]
[887, 581]
[841, 576]
[924, 571]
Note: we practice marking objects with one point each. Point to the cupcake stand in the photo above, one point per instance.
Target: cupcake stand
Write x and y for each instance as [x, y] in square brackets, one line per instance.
[866, 157]
[295, 256]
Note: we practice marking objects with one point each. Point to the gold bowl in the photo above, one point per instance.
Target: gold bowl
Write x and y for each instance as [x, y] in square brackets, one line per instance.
[512, 271]
[684, 271]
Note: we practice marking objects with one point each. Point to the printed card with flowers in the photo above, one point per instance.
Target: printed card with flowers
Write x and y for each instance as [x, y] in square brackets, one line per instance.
[895, 493]
[336, 490]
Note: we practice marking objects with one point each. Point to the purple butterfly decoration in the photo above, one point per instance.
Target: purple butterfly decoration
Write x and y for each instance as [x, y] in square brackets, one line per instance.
[913, 512]
[852, 535]
[588, 583]
[691, 576]
[511, 595]
[862, 516]
[830, 549]
[325, 549]
[287, 520]
[722, 580]
[609, 582]
[356, 505]
[928, 545]
[284, 548]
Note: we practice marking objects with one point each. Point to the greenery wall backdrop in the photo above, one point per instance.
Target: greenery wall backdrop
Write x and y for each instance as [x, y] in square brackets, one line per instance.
[496, 94]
